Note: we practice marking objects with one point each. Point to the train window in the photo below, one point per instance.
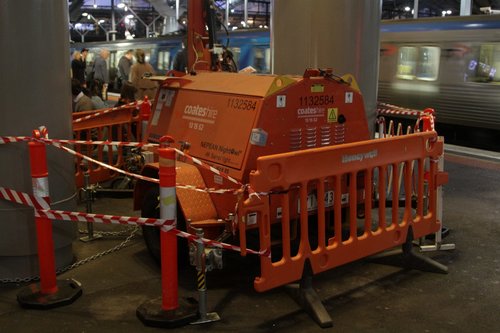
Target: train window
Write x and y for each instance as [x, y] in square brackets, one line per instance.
[483, 66]
[428, 63]
[236, 55]
[418, 62]
[262, 59]
[112, 59]
[407, 59]
[90, 58]
[163, 60]
[147, 52]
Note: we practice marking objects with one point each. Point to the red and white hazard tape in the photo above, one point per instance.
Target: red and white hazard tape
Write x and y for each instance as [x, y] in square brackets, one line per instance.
[12, 139]
[99, 143]
[389, 109]
[99, 113]
[24, 198]
[100, 218]
[196, 161]
[41, 206]
[168, 225]
[194, 238]
[208, 167]
[426, 115]
[59, 145]
[208, 190]
[90, 159]
[60, 142]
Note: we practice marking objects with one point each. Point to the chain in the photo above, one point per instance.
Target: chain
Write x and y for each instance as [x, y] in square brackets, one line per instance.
[109, 233]
[81, 262]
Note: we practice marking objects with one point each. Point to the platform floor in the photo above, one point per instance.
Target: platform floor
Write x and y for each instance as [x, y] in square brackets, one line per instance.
[360, 297]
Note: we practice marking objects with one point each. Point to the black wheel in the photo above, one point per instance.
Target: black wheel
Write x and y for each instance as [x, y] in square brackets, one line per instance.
[151, 208]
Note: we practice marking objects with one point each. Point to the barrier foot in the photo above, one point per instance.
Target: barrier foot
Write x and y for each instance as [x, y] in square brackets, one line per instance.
[409, 257]
[67, 292]
[152, 314]
[413, 258]
[305, 295]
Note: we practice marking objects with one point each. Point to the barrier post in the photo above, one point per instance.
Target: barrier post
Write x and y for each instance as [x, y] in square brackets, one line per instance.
[167, 311]
[427, 118]
[201, 275]
[89, 198]
[52, 293]
[145, 113]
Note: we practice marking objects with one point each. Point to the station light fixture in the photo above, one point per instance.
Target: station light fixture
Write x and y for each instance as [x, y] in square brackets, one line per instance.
[446, 12]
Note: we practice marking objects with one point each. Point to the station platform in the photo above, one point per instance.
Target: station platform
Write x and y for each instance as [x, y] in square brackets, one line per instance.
[363, 296]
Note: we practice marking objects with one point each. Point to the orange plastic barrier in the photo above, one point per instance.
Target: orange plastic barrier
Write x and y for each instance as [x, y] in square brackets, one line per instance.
[358, 216]
[122, 124]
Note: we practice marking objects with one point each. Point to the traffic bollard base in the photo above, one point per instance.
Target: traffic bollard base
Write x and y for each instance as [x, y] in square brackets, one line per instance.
[67, 292]
[208, 318]
[87, 239]
[152, 314]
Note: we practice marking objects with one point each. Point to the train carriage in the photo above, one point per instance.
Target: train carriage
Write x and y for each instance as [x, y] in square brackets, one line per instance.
[450, 64]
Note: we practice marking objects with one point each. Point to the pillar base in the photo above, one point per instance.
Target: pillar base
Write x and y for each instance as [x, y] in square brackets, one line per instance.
[67, 292]
[152, 314]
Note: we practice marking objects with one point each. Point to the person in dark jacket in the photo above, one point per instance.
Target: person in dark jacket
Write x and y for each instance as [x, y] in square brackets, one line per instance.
[124, 67]
[78, 67]
[101, 72]
[127, 94]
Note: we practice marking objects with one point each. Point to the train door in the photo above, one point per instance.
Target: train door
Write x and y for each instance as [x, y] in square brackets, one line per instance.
[113, 70]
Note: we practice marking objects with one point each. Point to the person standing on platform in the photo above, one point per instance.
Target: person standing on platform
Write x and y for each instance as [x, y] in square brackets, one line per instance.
[127, 94]
[95, 92]
[124, 67]
[78, 68]
[181, 58]
[138, 72]
[101, 72]
[84, 53]
[81, 102]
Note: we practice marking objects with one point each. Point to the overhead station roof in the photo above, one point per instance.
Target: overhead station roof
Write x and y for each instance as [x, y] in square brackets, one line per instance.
[152, 12]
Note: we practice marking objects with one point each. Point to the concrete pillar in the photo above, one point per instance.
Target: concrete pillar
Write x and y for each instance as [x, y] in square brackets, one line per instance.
[35, 90]
[341, 34]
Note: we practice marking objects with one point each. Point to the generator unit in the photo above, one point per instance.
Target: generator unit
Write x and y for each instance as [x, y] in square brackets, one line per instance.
[228, 120]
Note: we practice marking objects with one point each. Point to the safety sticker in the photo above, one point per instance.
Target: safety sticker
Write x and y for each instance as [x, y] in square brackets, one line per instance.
[317, 88]
[169, 97]
[218, 179]
[279, 213]
[251, 218]
[281, 101]
[258, 137]
[349, 97]
[332, 115]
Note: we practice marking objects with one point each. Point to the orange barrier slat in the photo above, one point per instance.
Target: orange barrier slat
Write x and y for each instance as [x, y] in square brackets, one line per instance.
[121, 124]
